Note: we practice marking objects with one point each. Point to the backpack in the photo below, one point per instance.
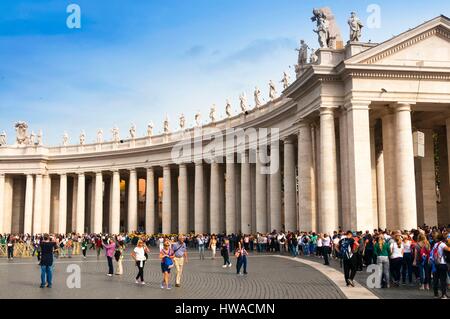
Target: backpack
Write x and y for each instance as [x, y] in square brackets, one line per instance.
[346, 249]
[424, 254]
[294, 241]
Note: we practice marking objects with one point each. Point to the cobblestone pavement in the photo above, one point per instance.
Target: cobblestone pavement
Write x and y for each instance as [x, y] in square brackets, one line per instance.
[268, 277]
[402, 292]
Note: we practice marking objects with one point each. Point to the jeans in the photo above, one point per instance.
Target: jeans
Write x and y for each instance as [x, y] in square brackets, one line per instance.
[241, 261]
[46, 275]
[201, 251]
[440, 279]
[407, 267]
[312, 248]
[383, 263]
[110, 265]
[294, 250]
[424, 273]
[140, 265]
[10, 251]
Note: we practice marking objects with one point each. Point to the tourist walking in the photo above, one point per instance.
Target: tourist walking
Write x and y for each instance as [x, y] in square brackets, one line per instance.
[224, 252]
[381, 251]
[118, 256]
[166, 255]
[180, 257]
[47, 248]
[213, 246]
[140, 254]
[84, 246]
[422, 257]
[440, 269]
[407, 265]
[347, 248]
[201, 246]
[396, 256]
[109, 247]
[326, 249]
[241, 256]
[10, 245]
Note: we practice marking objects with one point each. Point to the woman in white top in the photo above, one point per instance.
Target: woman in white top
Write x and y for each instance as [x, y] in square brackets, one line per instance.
[407, 266]
[397, 249]
[139, 255]
[440, 276]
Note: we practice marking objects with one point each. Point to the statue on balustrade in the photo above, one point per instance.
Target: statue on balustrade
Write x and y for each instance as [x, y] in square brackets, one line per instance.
[82, 138]
[65, 139]
[3, 136]
[355, 27]
[150, 129]
[228, 108]
[182, 121]
[115, 134]
[133, 131]
[198, 119]
[166, 125]
[313, 57]
[257, 95]
[272, 91]
[212, 113]
[39, 138]
[302, 53]
[32, 138]
[21, 133]
[285, 80]
[243, 102]
[322, 30]
[100, 136]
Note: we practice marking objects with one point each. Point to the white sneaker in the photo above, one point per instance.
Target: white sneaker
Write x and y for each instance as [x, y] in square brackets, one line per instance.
[137, 281]
[142, 282]
[229, 266]
[224, 266]
[109, 275]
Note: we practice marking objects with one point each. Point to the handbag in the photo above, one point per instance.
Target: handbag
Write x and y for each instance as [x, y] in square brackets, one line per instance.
[168, 262]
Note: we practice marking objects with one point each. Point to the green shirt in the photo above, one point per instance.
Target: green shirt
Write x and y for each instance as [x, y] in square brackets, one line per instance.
[384, 251]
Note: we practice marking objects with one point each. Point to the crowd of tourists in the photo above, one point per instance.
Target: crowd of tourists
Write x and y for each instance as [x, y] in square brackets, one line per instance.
[415, 258]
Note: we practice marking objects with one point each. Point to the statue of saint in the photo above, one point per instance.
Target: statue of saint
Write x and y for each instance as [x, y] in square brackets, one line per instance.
[285, 80]
[21, 133]
[228, 108]
[133, 131]
[65, 139]
[302, 53]
[243, 103]
[212, 113]
[166, 125]
[3, 138]
[150, 129]
[115, 134]
[39, 138]
[32, 138]
[257, 95]
[198, 119]
[182, 121]
[322, 30]
[82, 138]
[100, 136]
[313, 57]
[355, 27]
[272, 91]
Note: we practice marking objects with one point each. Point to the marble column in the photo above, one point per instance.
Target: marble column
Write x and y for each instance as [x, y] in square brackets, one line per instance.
[28, 217]
[199, 209]
[2, 203]
[47, 189]
[360, 168]
[183, 200]
[373, 162]
[290, 200]
[215, 197]
[381, 191]
[167, 201]
[230, 196]
[275, 188]
[81, 189]
[406, 184]
[8, 204]
[98, 203]
[37, 214]
[150, 216]
[114, 219]
[132, 201]
[347, 220]
[389, 155]
[62, 220]
[261, 192]
[328, 217]
[246, 199]
[306, 207]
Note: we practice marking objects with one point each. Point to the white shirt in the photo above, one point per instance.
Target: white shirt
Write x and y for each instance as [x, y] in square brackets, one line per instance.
[326, 241]
[319, 242]
[396, 251]
[441, 253]
[140, 253]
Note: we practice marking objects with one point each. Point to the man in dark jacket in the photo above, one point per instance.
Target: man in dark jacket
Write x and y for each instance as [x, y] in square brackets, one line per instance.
[47, 249]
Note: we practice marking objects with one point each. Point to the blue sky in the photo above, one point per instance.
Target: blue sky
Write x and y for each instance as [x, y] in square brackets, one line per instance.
[136, 61]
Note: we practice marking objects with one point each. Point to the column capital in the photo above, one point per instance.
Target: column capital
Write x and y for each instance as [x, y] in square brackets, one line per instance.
[301, 122]
[288, 140]
[327, 110]
[198, 162]
[356, 105]
[97, 173]
[401, 107]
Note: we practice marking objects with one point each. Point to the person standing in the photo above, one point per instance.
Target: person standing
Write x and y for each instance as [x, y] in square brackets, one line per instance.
[407, 265]
[241, 255]
[180, 252]
[225, 253]
[98, 245]
[10, 246]
[166, 255]
[396, 261]
[109, 247]
[47, 248]
[347, 248]
[326, 249]
[139, 255]
[381, 251]
[118, 255]
[422, 256]
[213, 246]
[440, 266]
[201, 246]
[84, 247]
